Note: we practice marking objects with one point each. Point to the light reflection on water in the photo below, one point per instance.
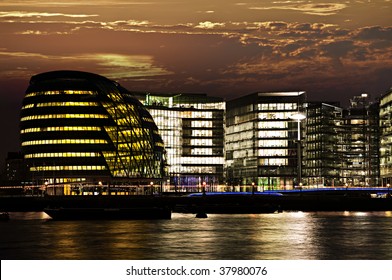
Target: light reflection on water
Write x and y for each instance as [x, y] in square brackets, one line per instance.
[289, 235]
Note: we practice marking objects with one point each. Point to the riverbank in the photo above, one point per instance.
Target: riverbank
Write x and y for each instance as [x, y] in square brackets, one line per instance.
[338, 200]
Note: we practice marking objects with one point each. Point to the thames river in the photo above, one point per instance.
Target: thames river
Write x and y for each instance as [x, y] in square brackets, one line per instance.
[283, 236]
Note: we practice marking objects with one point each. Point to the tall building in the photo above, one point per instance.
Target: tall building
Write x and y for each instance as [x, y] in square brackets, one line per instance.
[80, 129]
[192, 129]
[386, 138]
[323, 144]
[263, 141]
[360, 142]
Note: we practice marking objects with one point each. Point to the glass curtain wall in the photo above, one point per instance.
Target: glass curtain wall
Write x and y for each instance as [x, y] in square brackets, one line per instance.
[361, 143]
[261, 140]
[192, 129]
[81, 129]
[322, 151]
[386, 139]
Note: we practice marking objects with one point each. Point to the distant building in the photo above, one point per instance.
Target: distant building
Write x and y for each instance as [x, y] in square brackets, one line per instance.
[16, 171]
[80, 131]
[192, 129]
[262, 146]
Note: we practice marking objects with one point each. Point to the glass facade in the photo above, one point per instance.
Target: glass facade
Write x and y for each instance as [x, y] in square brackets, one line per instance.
[386, 138]
[192, 129]
[81, 128]
[323, 145]
[262, 146]
[360, 165]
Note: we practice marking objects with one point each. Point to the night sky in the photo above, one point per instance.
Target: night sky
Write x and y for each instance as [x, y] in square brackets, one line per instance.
[331, 49]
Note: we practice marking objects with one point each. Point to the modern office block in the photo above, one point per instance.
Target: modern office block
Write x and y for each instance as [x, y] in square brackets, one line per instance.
[264, 140]
[192, 129]
[385, 126]
[323, 150]
[360, 166]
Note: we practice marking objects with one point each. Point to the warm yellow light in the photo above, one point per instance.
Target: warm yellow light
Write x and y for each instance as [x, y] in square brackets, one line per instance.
[67, 167]
[64, 141]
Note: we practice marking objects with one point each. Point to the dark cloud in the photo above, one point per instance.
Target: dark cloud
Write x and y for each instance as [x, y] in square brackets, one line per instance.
[375, 33]
[337, 49]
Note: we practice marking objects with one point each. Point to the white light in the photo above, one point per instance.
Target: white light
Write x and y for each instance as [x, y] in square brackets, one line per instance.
[297, 116]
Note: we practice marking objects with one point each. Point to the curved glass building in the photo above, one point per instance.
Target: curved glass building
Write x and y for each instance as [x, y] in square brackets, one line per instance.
[80, 128]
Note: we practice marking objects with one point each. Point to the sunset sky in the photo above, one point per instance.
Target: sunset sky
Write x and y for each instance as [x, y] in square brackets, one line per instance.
[331, 49]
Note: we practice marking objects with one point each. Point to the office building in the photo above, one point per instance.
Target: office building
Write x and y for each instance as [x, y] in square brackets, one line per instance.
[323, 153]
[360, 165]
[80, 129]
[192, 129]
[385, 125]
[264, 140]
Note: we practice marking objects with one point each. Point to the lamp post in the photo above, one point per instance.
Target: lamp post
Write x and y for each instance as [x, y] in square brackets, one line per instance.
[100, 190]
[298, 117]
[152, 187]
[253, 187]
[204, 188]
[46, 187]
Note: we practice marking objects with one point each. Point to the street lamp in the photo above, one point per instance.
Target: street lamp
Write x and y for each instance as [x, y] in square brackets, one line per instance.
[46, 187]
[298, 117]
[253, 187]
[204, 188]
[152, 189]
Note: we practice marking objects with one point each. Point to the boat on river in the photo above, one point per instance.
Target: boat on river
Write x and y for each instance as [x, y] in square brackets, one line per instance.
[139, 213]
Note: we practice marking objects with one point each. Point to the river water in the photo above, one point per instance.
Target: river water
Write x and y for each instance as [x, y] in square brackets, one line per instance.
[283, 236]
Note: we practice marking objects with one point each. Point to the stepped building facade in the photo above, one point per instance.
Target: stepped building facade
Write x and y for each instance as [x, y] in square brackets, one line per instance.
[80, 129]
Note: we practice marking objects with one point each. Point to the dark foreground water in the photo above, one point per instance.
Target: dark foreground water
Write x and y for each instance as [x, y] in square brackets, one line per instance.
[287, 236]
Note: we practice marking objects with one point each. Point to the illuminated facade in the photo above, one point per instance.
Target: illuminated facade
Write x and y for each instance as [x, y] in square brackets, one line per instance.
[192, 129]
[261, 140]
[360, 165]
[386, 138]
[79, 128]
[323, 145]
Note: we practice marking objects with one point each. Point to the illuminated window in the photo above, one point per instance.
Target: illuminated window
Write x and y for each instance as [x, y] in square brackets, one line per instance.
[273, 124]
[201, 123]
[61, 155]
[272, 134]
[201, 142]
[200, 132]
[65, 116]
[67, 167]
[61, 128]
[64, 141]
[57, 92]
[273, 152]
[272, 143]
